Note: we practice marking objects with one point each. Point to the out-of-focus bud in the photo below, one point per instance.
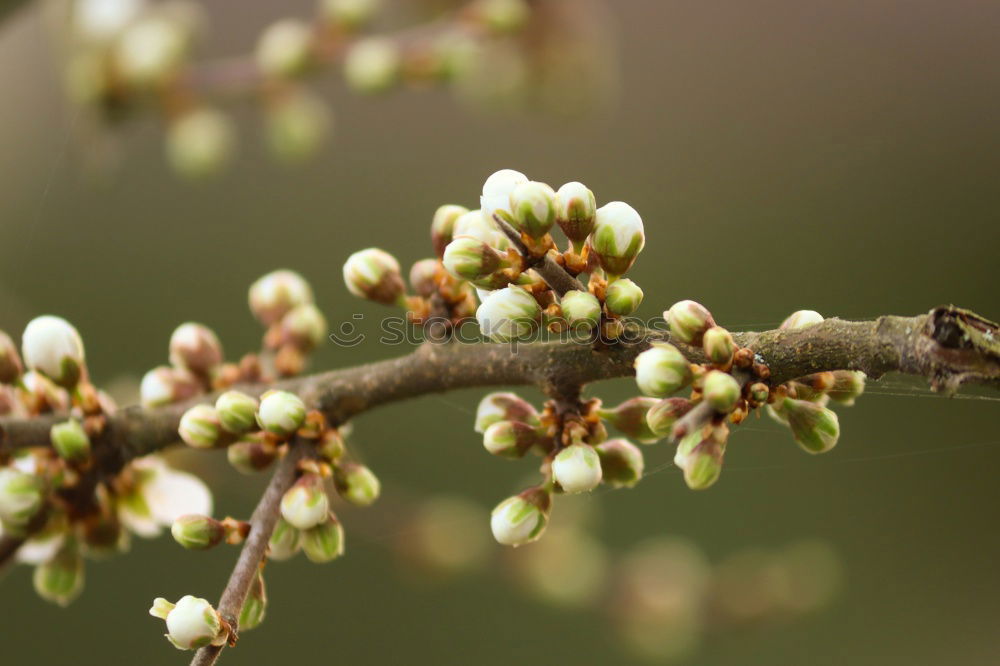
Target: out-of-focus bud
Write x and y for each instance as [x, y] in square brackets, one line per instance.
[496, 193]
[277, 293]
[252, 453]
[356, 483]
[10, 361]
[445, 537]
[70, 441]
[581, 309]
[662, 416]
[237, 411]
[567, 569]
[150, 51]
[814, 427]
[60, 580]
[471, 259]
[255, 605]
[304, 327]
[285, 541]
[522, 518]
[374, 274]
[689, 321]
[576, 211]
[501, 15]
[662, 370]
[508, 314]
[423, 277]
[52, 346]
[759, 392]
[477, 225]
[331, 445]
[700, 456]
[281, 413]
[200, 427]
[195, 347]
[40, 394]
[847, 386]
[297, 124]
[192, 623]
[533, 208]
[101, 20]
[305, 504]
[325, 541]
[504, 406]
[621, 462]
[200, 143]
[630, 418]
[284, 48]
[165, 385]
[196, 532]
[372, 65]
[721, 391]
[349, 14]
[801, 319]
[510, 439]
[623, 297]
[718, 345]
[20, 497]
[577, 468]
[443, 226]
[618, 237]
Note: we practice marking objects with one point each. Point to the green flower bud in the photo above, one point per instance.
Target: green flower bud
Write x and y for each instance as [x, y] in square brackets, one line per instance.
[349, 14]
[191, 624]
[252, 453]
[621, 462]
[331, 445]
[165, 385]
[276, 294]
[814, 427]
[324, 542]
[721, 391]
[285, 541]
[283, 49]
[200, 427]
[522, 518]
[374, 274]
[801, 319]
[297, 125]
[10, 361]
[508, 314]
[503, 406]
[581, 309]
[618, 237]
[577, 468]
[759, 392]
[576, 211]
[423, 277]
[304, 327]
[630, 418]
[70, 441]
[533, 208]
[372, 65]
[150, 51]
[52, 346]
[305, 504]
[623, 297]
[847, 386]
[718, 345]
[662, 370]
[688, 321]
[497, 189]
[20, 497]
[443, 226]
[510, 439]
[196, 348]
[356, 483]
[196, 532]
[281, 413]
[200, 143]
[502, 15]
[255, 605]
[700, 457]
[60, 580]
[237, 411]
[471, 259]
[662, 416]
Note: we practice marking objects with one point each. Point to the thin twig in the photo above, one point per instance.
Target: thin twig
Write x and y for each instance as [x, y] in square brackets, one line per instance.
[554, 275]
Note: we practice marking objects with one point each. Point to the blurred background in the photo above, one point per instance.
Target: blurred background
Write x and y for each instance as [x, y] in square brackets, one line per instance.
[838, 156]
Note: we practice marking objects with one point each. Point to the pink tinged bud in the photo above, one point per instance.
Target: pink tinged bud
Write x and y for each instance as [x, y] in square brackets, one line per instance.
[285, 541]
[70, 441]
[324, 542]
[11, 366]
[196, 532]
[581, 309]
[718, 345]
[276, 294]
[688, 321]
[621, 462]
[801, 319]
[237, 411]
[576, 211]
[814, 427]
[721, 391]
[255, 606]
[357, 484]
[508, 314]
[847, 386]
[196, 348]
[305, 504]
[200, 427]
[533, 208]
[252, 453]
[374, 274]
[700, 457]
[522, 518]
[304, 327]
[20, 497]
[618, 237]
[191, 624]
[504, 406]
[52, 346]
[443, 226]
[577, 468]
[60, 579]
[510, 439]
[661, 370]
[423, 277]
[281, 413]
[662, 416]
[468, 258]
[165, 385]
[496, 193]
[623, 297]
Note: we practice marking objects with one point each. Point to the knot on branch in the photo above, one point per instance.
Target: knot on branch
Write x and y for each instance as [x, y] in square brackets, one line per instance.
[959, 346]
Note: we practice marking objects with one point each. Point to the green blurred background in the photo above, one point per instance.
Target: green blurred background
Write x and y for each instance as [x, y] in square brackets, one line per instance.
[839, 156]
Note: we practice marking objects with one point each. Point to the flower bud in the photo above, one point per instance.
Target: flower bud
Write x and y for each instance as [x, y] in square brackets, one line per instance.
[304, 327]
[191, 624]
[200, 143]
[443, 226]
[801, 319]
[814, 427]
[471, 259]
[581, 309]
[331, 445]
[70, 441]
[423, 277]
[196, 532]
[504, 406]
[618, 237]
[662, 416]
[195, 347]
[284, 48]
[285, 541]
[497, 189]
[150, 51]
[533, 208]
[623, 297]
[276, 294]
[20, 497]
[356, 483]
[502, 15]
[200, 427]
[297, 124]
[102, 20]
[252, 453]
[689, 321]
[577, 468]
[510, 439]
[721, 391]
[576, 211]
[718, 345]
[305, 504]
[255, 605]
[477, 225]
[508, 314]
[281, 413]
[52, 346]
[165, 385]
[522, 518]
[372, 65]
[661, 370]
[374, 274]
[700, 457]
[10, 361]
[630, 418]
[759, 392]
[621, 462]
[349, 14]
[60, 579]
[324, 542]
[40, 394]
[847, 386]
[237, 411]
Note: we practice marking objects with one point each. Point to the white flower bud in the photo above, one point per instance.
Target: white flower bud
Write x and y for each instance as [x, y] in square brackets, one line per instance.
[718, 345]
[60, 579]
[533, 208]
[285, 541]
[297, 125]
[200, 427]
[469, 258]
[662, 416]
[522, 518]
[196, 532]
[504, 406]
[801, 319]
[284, 48]
[689, 320]
[53, 347]
[151, 50]
[662, 370]
[70, 441]
[281, 413]
[700, 457]
[496, 193]
[621, 463]
[272, 296]
[237, 411]
[196, 348]
[581, 309]
[305, 504]
[374, 274]
[509, 439]
[20, 497]
[508, 314]
[304, 327]
[10, 361]
[356, 483]
[372, 65]
[577, 468]
[200, 143]
[623, 297]
[325, 541]
[443, 226]
[576, 211]
[165, 385]
[101, 20]
[721, 391]
[191, 624]
[618, 237]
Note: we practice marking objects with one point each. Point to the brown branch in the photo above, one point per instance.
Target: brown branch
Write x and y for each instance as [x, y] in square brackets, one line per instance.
[554, 275]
